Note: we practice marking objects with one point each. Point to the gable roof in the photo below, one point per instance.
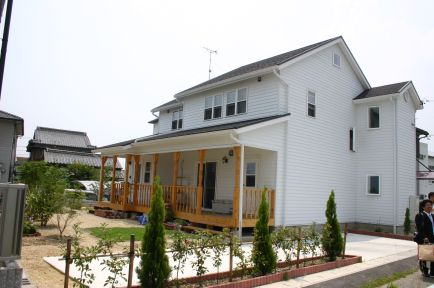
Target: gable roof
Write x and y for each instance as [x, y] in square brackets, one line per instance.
[6, 115]
[19, 122]
[171, 104]
[382, 90]
[54, 156]
[265, 63]
[221, 127]
[59, 137]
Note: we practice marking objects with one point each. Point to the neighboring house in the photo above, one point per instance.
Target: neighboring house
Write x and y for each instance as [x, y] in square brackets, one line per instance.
[425, 164]
[63, 147]
[11, 127]
[300, 123]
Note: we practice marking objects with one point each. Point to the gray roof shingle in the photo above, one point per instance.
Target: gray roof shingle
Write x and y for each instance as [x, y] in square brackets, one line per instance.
[382, 90]
[265, 63]
[167, 104]
[221, 127]
[61, 137]
[69, 157]
[6, 115]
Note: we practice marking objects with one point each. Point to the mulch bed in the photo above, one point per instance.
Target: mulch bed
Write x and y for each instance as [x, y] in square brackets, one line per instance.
[381, 234]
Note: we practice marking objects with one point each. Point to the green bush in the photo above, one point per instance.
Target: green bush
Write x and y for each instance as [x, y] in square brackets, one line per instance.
[29, 228]
[332, 241]
[407, 223]
[263, 256]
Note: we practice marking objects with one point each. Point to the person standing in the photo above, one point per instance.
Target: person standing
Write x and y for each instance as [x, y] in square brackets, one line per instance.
[425, 233]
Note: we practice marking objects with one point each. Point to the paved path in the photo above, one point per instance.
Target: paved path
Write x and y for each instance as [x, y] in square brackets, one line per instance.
[375, 252]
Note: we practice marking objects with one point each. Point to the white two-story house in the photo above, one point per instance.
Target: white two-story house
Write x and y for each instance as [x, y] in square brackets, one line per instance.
[301, 123]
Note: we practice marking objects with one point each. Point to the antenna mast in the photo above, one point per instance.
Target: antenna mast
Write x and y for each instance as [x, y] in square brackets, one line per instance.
[210, 51]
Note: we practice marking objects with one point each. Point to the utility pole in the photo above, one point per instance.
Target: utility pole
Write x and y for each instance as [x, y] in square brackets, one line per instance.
[5, 42]
[210, 51]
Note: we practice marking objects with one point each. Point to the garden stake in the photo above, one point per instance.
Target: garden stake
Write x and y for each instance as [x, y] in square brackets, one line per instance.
[298, 247]
[345, 240]
[67, 263]
[131, 265]
[231, 254]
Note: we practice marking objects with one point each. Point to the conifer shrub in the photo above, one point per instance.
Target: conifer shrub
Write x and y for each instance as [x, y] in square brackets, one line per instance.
[154, 269]
[263, 256]
[332, 241]
[407, 223]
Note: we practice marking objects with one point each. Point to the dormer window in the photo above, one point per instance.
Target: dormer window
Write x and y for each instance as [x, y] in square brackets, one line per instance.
[177, 120]
[213, 107]
[236, 102]
[336, 59]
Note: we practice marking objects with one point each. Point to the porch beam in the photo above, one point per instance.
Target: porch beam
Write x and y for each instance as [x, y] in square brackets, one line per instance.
[112, 192]
[136, 178]
[176, 157]
[101, 179]
[236, 195]
[126, 183]
[199, 184]
[154, 171]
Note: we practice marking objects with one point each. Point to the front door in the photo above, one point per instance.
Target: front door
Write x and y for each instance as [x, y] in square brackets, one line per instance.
[208, 183]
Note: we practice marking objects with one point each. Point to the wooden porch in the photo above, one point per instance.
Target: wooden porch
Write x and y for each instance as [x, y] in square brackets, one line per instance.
[183, 199]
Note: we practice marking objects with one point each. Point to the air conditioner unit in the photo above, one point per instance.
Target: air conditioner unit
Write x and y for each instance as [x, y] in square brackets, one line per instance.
[12, 199]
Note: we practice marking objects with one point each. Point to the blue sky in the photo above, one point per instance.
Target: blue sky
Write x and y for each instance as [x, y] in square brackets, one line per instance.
[100, 66]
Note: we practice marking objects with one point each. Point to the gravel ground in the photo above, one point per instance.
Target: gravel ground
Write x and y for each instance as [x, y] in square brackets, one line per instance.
[49, 244]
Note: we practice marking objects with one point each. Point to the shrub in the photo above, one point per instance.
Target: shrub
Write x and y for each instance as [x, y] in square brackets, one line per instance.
[263, 256]
[29, 228]
[332, 242]
[154, 269]
[407, 223]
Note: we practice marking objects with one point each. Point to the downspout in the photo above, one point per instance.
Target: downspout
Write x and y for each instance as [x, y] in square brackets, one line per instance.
[285, 165]
[395, 165]
[241, 181]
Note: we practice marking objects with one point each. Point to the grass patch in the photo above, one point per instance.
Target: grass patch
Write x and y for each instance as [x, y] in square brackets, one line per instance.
[123, 233]
[388, 279]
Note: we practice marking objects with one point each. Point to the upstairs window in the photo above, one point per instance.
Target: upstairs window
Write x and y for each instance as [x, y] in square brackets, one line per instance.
[374, 117]
[311, 104]
[336, 59]
[177, 120]
[251, 174]
[373, 185]
[213, 107]
[352, 143]
[236, 102]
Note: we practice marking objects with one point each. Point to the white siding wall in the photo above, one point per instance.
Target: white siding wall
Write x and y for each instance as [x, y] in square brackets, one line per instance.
[406, 154]
[374, 156]
[262, 101]
[319, 159]
[7, 132]
[425, 186]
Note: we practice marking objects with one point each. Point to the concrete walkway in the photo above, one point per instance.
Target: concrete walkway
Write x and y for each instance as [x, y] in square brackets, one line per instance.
[375, 252]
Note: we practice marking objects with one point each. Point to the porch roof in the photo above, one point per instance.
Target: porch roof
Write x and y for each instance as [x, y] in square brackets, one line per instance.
[201, 130]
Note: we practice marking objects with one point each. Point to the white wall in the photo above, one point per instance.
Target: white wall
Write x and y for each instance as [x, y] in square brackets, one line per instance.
[319, 158]
[7, 153]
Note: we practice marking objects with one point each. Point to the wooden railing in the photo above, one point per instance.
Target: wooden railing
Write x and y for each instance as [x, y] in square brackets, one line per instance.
[186, 199]
[167, 193]
[118, 191]
[251, 200]
[144, 195]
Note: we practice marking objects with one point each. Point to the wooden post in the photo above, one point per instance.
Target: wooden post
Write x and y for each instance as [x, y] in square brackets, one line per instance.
[131, 255]
[67, 263]
[345, 240]
[126, 183]
[176, 156]
[231, 254]
[297, 265]
[236, 196]
[112, 192]
[136, 179]
[101, 179]
[154, 171]
[199, 184]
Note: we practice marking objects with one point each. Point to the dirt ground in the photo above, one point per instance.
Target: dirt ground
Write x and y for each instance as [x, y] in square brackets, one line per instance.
[34, 249]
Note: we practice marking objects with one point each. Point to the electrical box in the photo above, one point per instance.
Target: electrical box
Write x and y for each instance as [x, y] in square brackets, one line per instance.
[12, 200]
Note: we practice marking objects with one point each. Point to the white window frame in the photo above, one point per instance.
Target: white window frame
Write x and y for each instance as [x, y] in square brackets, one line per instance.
[256, 173]
[369, 119]
[334, 57]
[367, 184]
[307, 104]
[180, 112]
[236, 101]
[213, 106]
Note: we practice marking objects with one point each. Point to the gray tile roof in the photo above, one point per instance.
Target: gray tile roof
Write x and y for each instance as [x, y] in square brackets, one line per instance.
[6, 115]
[265, 63]
[382, 90]
[167, 104]
[221, 127]
[69, 157]
[60, 137]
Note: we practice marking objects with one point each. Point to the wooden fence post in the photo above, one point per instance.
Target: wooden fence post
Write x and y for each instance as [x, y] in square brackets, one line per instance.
[345, 240]
[131, 254]
[67, 263]
[231, 254]
[298, 247]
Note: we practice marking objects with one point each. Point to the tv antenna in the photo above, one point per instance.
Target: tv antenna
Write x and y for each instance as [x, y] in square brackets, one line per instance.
[210, 51]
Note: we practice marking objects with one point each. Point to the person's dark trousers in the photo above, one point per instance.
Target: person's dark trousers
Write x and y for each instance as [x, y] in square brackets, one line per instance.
[424, 268]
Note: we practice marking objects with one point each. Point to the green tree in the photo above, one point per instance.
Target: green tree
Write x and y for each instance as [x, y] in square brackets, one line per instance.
[79, 171]
[46, 190]
[407, 223]
[263, 256]
[332, 242]
[154, 269]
